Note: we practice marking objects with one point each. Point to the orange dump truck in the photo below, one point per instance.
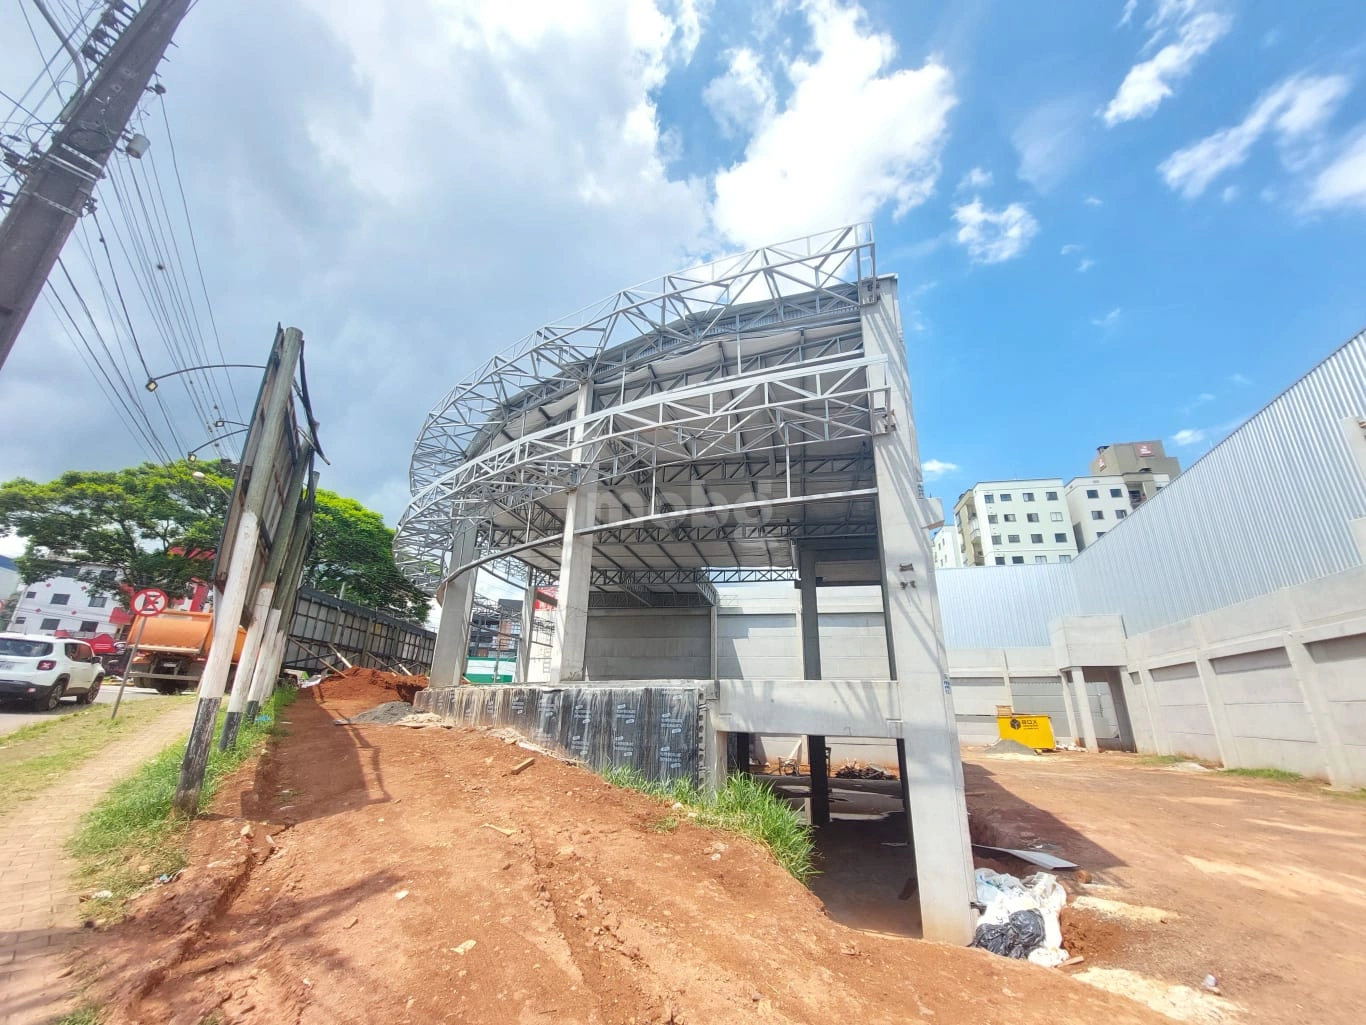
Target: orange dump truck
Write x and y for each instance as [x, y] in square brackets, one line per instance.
[172, 648]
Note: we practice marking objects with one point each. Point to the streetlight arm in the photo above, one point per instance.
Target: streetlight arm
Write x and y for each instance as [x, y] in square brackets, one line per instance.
[152, 381]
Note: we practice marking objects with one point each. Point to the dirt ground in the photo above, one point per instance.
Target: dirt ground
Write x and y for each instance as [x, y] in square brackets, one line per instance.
[382, 874]
[1258, 883]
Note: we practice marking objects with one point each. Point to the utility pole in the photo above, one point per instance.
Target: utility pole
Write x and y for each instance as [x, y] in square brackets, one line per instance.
[60, 182]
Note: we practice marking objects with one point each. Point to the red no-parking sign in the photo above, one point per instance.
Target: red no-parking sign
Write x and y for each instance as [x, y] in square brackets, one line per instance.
[150, 602]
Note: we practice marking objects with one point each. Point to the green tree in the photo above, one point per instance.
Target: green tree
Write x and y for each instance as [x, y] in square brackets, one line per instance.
[353, 557]
[152, 525]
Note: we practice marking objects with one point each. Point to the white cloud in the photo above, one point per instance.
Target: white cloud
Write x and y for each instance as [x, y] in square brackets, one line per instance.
[1295, 112]
[993, 236]
[1189, 436]
[742, 98]
[1242, 379]
[1109, 320]
[1204, 397]
[1093, 201]
[1196, 25]
[1343, 181]
[1050, 139]
[1128, 13]
[1070, 248]
[1229, 194]
[933, 469]
[1085, 265]
[891, 124]
[975, 179]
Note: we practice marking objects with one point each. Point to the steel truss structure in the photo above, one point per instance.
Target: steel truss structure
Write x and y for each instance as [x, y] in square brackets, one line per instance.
[718, 418]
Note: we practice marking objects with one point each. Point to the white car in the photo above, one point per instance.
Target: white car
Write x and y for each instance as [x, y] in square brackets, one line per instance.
[43, 670]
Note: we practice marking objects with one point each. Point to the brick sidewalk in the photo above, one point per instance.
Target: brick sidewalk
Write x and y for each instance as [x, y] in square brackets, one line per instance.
[38, 908]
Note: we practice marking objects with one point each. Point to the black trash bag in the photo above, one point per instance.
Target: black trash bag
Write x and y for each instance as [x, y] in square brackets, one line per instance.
[1016, 938]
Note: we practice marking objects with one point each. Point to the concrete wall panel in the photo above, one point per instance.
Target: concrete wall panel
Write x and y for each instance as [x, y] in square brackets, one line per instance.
[660, 644]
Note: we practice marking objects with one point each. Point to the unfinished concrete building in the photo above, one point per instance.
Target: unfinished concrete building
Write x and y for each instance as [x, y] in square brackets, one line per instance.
[747, 420]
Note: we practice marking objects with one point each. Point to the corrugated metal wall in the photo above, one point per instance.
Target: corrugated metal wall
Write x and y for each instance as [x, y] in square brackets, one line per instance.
[1004, 606]
[1267, 508]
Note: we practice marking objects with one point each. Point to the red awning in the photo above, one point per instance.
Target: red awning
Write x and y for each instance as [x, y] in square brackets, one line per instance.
[103, 644]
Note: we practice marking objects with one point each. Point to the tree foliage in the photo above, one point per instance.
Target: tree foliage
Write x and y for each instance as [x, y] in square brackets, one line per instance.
[144, 523]
[152, 525]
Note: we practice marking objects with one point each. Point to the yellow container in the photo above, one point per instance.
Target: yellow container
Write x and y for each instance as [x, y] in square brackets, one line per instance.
[1034, 731]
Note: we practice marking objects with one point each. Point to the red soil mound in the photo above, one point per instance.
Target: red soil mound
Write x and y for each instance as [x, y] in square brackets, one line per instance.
[371, 687]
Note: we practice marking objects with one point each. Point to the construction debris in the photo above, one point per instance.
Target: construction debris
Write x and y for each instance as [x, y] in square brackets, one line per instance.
[856, 770]
[521, 767]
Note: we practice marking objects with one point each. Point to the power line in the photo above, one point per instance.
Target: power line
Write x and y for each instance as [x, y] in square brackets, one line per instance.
[194, 248]
[81, 299]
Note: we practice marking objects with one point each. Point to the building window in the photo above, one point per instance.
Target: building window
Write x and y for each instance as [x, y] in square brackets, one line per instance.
[1005, 496]
[1092, 493]
[1064, 558]
[99, 601]
[106, 574]
[89, 626]
[50, 624]
[1097, 514]
[1100, 534]
[1055, 517]
[1013, 538]
[1036, 539]
[1121, 513]
[20, 619]
[995, 539]
[1060, 538]
[989, 499]
[1052, 496]
[60, 599]
[1000, 560]
[1041, 558]
[1032, 517]
[991, 518]
[31, 594]
[1010, 517]
[1116, 492]
[1017, 560]
[1028, 496]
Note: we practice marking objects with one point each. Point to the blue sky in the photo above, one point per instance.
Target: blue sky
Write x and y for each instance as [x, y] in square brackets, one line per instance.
[1111, 221]
[1132, 308]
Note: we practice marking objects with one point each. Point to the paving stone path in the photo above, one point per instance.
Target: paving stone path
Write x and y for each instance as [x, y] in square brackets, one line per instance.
[39, 912]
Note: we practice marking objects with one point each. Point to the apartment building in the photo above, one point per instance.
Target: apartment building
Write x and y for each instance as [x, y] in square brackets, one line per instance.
[1144, 467]
[1015, 522]
[948, 547]
[67, 604]
[1097, 504]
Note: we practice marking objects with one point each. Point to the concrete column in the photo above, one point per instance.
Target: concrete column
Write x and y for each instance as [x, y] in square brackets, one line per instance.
[528, 631]
[576, 565]
[715, 674]
[453, 626]
[915, 642]
[1005, 678]
[571, 608]
[819, 802]
[1161, 741]
[1084, 713]
[715, 756]
[1074, 736]
[1321, 715]
[809, 617]
[1214, 700]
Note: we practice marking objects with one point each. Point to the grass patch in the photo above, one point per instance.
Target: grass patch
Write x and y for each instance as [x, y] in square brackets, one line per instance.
[36, 756]
[744, 805]
[1161, 759]
[86, 1014]
[134, 835]
[1279, 775]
